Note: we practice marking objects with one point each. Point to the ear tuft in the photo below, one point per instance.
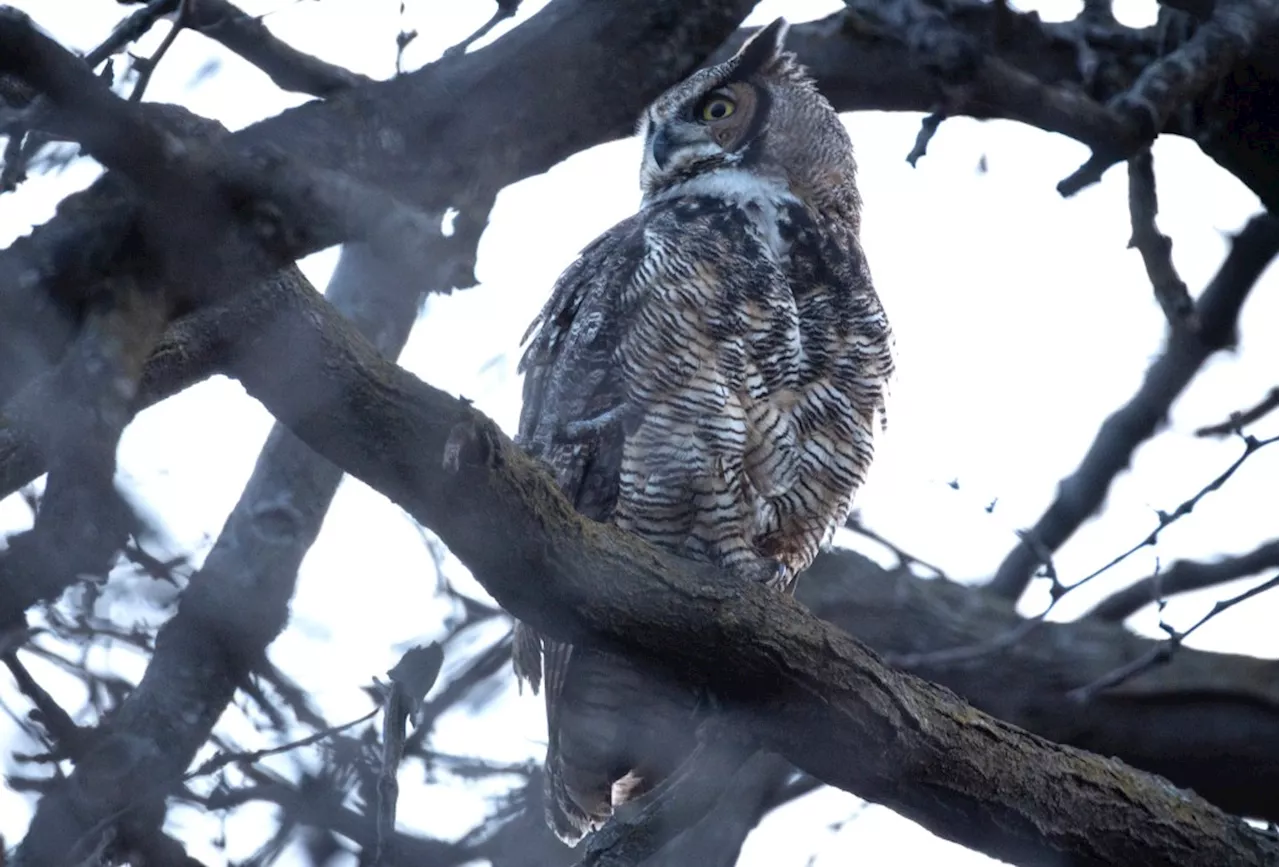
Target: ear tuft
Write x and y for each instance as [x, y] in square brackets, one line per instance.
[761, 49]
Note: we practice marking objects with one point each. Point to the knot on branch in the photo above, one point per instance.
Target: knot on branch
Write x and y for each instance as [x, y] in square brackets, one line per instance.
[473, 442]
[277, 521]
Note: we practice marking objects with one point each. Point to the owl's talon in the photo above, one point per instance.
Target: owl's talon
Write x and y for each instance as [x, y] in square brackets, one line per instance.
[781, 578]
[767, 571]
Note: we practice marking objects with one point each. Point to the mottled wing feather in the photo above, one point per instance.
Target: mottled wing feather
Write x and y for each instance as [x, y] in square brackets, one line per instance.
[569, 376]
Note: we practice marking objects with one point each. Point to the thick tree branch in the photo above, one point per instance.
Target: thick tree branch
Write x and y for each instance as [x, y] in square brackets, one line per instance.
[394, 402]
[1081, 493]
[987, 61]
[1176, 730]
[28, 136]
[1234, 29]
[814, 694]
[82, 522]
[193, 348]
[287, 67]
[1206, 721]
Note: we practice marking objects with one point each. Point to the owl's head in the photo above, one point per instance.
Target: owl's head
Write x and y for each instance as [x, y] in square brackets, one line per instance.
[758, 112]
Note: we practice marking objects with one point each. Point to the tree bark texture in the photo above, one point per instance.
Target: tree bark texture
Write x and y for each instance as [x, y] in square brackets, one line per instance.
[807, 690]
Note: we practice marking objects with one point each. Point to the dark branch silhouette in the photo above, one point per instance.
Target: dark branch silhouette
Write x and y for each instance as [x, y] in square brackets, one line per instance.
[1185, 352]
[179, 250]
[1238, 420]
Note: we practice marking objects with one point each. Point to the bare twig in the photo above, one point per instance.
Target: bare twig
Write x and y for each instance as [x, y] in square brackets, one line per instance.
[1162, 652]
[928, 127]
[411, 678]
[222, 759]
[13, 169]
[147, 66]
[477, 669]
[854, 524]
[474, 767]
[161, 570]
[1236, 422]
[1184, 577]
[1059, 590]
[404, 38]
[291, 694]
[969, 652]
[324, 813]
[506, 9]
[1154, 246]
[1164, 519]
[130, 29]
[62, 729]
[1081, 493]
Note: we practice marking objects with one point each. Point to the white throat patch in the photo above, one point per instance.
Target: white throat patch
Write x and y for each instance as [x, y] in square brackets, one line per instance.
[759, 197]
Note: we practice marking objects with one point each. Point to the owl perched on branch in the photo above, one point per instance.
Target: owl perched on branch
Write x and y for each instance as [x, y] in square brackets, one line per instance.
[707, 375]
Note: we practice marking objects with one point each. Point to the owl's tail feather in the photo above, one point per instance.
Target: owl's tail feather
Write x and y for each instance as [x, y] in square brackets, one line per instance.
[565, 791]
[616, 721]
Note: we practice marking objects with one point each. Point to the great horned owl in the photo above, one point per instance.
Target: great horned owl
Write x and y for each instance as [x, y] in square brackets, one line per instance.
[708, 375]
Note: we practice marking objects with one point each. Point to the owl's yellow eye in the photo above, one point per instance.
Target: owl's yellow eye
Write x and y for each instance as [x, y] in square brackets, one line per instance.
[717, 108]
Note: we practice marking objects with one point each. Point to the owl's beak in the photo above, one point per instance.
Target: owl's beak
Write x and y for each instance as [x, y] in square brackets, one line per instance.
[661, 146]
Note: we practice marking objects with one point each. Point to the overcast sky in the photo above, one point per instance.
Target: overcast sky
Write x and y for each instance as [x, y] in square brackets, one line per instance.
[1021, 319]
